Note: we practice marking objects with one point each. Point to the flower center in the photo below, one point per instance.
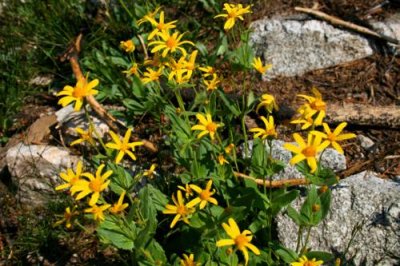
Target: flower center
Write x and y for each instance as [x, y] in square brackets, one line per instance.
[181, 210]
[171, 42]
[318, 105]
[124, 147]
[308, 263]
[240, 241]
[205, 195]
[79, 92]
[232, 14]
[309, 151]
[331, 137]
[211, 127]
[95, 185]
[160, 26]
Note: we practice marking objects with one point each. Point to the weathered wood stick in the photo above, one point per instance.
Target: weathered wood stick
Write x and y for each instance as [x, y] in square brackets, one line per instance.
[364, 115]
[339, 22]
[274, 183]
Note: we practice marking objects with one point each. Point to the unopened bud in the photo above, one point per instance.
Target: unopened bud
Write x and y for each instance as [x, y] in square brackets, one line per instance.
[323, 189]
[316, 207]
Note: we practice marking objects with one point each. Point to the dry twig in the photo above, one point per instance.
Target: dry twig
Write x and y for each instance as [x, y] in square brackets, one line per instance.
[112, 122]
[339, 22]
[274, 183]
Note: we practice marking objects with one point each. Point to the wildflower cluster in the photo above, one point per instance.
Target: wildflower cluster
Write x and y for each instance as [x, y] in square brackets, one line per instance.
[204, 183]
[312, 114]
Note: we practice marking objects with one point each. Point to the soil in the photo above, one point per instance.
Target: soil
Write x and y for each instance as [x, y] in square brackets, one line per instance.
[374, 80]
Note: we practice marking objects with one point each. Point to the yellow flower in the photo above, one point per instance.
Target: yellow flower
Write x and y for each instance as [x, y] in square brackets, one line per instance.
[303, 261]
[119, 206]
[180, 210]
[68, 217]
[98, 211]
[151, 171]
[229, 148]
[85, 136]
[204, 196]
[71, 177]
[208, 71]
[268, 101]
[160, 26]
[306, 151]
[257, 64]
[241, 240]
[169, 43]
[94, 185]
[213, 83]
[188, 191]
[133, 70]
[77, 93]
[123, 146]
[128, 46]
[151, 75]
[307, 122]
[315, 106]
[189, 261]
[180, 78]
[176, 67]
[207, 126]
[233, 12]
[221, 159]
[269, 130]
[190, 65]
[149, 15]
[333, 137]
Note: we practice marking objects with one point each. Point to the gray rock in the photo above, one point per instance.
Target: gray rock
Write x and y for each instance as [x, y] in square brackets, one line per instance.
[365, 142]
[69, 119]
[330, 159]
[35, 170]
[296, 46]
[364, 201]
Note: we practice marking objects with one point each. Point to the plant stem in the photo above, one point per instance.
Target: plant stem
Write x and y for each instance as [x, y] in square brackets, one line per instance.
[306, 242]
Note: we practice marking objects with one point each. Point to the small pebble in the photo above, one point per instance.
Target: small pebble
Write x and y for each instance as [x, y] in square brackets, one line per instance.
[365, 142]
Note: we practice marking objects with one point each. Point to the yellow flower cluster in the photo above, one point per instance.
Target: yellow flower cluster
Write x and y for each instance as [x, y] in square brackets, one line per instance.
[183, 211]
[82, 184]
[312, 114]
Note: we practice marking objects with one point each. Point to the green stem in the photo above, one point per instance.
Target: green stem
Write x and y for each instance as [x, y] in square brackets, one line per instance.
[125, 8]
[306, 242]
[299, 235]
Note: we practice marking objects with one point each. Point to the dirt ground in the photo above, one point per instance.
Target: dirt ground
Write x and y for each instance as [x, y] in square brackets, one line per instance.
[373, 81]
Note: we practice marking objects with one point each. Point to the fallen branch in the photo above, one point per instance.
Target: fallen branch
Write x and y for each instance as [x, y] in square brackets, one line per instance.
[363, 115]
[339, 22]
[112, 122]
[274, 183]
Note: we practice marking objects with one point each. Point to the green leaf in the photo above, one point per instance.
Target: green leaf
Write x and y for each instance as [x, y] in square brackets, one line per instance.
[320, 255]
[117, 232]
[325, 199]
[295, 216]
[158, 198]
[153, 254]
[286, 254]
[148, 217]
[202, 48]
[281, 199]
[230, 104]
[223, 47]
